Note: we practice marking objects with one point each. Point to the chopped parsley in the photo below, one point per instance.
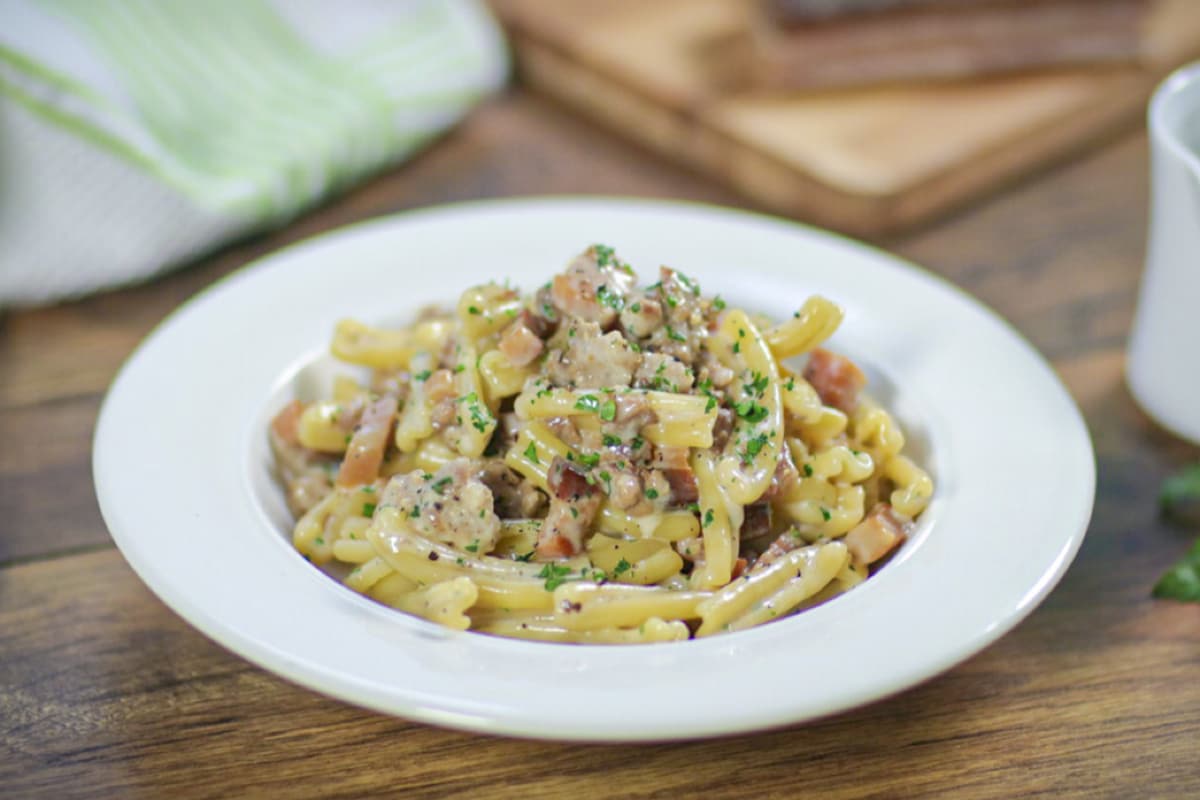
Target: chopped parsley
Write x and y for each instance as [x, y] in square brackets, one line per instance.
[754, 447]
[708, 517]
[473, 547]
[368, 509]
[808, 470]
[610, 440]
[751, 411]
[756, 386]
[474, 310]
[718, 303]
[607, 297]
[825, 515]
[423, 375]
[604, 254]
[652, 493]
[608, 410]
[588, 402]
[621, 568]
[688, 283]
[555, 576]
[440, 484]
[531, 453]
[636, 308]
[675, 335]
[525, 557]
[589, 459]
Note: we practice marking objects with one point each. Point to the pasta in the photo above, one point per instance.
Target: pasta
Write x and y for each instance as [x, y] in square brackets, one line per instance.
[598, 462]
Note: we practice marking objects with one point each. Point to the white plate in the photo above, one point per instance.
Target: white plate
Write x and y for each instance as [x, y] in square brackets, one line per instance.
[182, 476]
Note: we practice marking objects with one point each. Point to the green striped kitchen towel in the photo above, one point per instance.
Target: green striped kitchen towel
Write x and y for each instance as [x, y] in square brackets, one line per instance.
[137, 134]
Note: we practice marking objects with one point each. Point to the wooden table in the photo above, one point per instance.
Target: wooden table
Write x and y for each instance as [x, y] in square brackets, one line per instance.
[105, 692]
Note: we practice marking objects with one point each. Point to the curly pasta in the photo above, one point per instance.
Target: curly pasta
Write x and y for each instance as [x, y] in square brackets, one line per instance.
[598, 462]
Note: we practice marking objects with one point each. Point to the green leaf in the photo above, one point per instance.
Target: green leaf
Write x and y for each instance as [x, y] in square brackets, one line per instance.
[1182, 581]
[1180, 490]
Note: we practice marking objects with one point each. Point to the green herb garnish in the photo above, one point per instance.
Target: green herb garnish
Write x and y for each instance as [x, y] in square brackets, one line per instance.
[604, 254]
[555, 576]
[607, 297]
[1180, 494]
[1182, 581]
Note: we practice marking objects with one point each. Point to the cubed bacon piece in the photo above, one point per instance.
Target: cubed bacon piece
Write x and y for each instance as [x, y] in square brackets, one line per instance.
[683, 486]
[519, 344]
[574, 503]
[364, 454]
[642, 316]
[785, 476]
[581, 356]
[286, 424]
[837, 379]
[568, 481]
[673, 463]
[452, 505]
[590, 291]
[543, 323]
[514, 497]
[881, 532]
[722, 429]
[756, 522]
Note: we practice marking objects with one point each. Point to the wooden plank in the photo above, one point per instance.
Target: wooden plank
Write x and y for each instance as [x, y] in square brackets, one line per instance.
[119, 695]
[866, 161]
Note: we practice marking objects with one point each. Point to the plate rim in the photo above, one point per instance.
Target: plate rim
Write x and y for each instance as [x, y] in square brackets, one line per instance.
[336, 685]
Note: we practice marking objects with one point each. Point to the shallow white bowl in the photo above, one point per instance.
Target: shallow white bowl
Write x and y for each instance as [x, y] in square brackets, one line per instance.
[182, 475]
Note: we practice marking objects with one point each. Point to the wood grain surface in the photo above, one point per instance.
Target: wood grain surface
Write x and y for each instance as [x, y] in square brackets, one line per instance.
[866, 160]
[106, 693]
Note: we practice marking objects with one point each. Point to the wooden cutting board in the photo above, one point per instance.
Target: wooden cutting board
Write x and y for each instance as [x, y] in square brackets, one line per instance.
[865, 161]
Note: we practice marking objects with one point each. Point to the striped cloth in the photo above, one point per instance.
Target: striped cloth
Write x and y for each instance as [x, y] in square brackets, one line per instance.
[137, 134]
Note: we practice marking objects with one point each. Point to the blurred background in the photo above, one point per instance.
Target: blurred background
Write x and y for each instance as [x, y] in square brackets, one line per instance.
[139, 135]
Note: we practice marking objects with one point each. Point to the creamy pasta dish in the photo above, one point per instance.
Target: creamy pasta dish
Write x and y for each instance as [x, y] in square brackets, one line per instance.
[598, 461]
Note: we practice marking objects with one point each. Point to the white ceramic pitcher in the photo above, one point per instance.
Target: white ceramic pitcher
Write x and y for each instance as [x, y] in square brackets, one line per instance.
[1164, 349]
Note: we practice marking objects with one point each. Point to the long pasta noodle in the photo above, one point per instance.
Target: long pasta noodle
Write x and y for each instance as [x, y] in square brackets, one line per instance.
[598, 462]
